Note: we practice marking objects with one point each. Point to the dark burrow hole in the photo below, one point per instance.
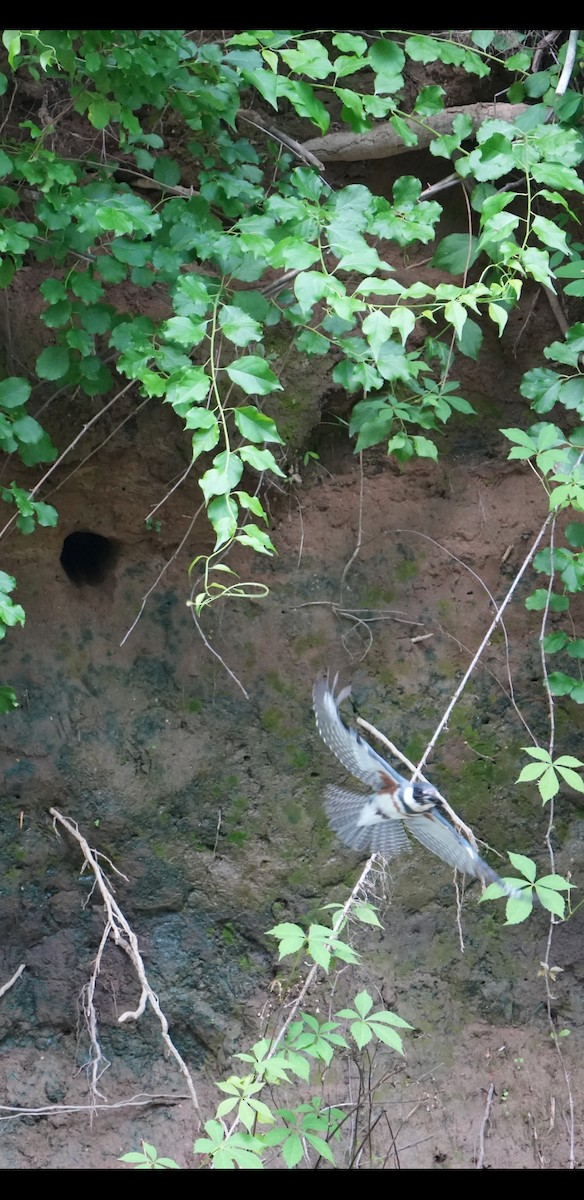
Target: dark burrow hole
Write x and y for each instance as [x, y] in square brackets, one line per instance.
[88, 558]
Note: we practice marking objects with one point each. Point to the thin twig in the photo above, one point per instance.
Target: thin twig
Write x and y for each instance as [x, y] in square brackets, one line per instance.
[71, 446]
[97, 449]
[548, 40]
[161, 573]
[358, 545]
[169, 493]
[476, 657]
[48, 1110]
[252, 118]
[213, 651]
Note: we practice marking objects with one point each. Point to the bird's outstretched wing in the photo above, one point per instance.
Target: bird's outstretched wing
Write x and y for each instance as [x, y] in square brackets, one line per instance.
[356, 822]
[437, 835]
[351, 750]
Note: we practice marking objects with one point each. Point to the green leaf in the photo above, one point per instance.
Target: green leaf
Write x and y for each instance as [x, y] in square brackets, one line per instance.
[557, 176]
[222, 513]
[184, 331]
[551, 900]
[304, 101]
[261, 460]
[550, 234]
[499, 315]
[408, 135]
[471, 339]
[455, 253]
[365, 913]
[548, 785]
[255, 426]
[556, 882]
[312, 342]
[525, 865]
[531, 772]
[167, 171]
[253, 376]
[571, 777]
[222, 477]
[257, 538]
[14, 392]
[574, 532]
[239, 326]
[493, 159]
[8, 699]
[430, 100]
[363, 1003]
[53, 363]
[482, 37]
[388, 1036]
[207, 432]
[386, 57]
[27, 430]
[377, 330]
[292, 1150]
[424, 448]
[560, 684]
[518, 909]
[456, 314]
[538, 601]
[361, 1032]
[537, 263]
[252, 504]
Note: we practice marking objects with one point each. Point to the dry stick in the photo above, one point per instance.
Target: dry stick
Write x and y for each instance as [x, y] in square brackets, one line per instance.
[384, 142]
[6, 986]
[554, 303]
[569, 63]
[70, 447]
[51, 1109]
[486, 1114]
[252, 118]
[548, 40]
[124, 936]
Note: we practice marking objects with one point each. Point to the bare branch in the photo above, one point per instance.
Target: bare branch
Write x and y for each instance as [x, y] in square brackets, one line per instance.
[486, 1115]
[123, 935]
[384, 142]
[6, 986]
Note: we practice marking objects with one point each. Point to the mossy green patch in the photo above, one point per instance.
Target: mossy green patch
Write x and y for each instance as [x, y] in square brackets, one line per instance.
[237, 837]
[408, 569]
[309, 641]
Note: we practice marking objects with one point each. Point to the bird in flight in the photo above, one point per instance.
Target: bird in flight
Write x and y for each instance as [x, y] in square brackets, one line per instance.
[377, 822]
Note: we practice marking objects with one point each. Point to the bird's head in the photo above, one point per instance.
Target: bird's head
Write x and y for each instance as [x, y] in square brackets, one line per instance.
[419, 797]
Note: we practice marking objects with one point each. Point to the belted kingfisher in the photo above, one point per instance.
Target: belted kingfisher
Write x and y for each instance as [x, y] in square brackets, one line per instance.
[377, 823]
